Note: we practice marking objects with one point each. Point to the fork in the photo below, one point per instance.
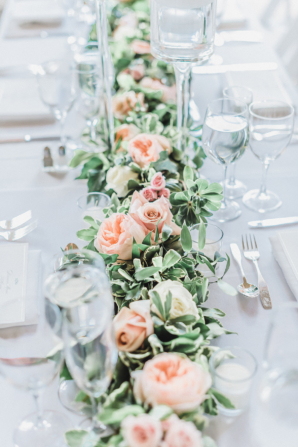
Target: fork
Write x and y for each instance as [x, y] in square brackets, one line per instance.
[15, 221]
[251, 252]
[14, 235]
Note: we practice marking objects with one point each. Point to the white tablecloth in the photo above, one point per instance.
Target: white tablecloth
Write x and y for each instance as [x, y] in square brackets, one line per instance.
[52, 199]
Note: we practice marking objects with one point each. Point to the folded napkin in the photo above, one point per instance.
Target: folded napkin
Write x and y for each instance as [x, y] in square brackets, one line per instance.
[285, 251]
[20, 101]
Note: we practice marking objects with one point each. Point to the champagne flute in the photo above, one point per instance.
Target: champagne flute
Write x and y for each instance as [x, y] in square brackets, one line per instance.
[235, 188]
[182, 33]
[90, 352]
[271, 126]
[30, 359]
[225, 138]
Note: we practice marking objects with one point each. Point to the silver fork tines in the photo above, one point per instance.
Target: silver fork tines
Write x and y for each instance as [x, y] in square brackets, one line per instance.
[15, 221]
[13, 235]
[251, 252]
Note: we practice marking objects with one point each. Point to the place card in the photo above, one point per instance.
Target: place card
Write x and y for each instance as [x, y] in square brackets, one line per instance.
[13, 276]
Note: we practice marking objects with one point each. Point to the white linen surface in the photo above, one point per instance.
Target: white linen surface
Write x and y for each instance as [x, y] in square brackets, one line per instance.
[46, 11]
[285, 250]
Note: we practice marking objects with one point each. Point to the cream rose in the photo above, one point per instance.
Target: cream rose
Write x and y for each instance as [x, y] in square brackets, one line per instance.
[117, 179]
[169, 379]
[145, 148]
[142, 431]
[123, 103]
[132, 326]
[182, 302]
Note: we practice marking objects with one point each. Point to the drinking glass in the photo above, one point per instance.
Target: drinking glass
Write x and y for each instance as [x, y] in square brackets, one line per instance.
[271, 126]
[182, 33]
[90, 352]
[225, 138]
[213, 244]
[92, 204]
[276, 409]
[233, 370]
[235, 188]
[30, 359]
[58, 90]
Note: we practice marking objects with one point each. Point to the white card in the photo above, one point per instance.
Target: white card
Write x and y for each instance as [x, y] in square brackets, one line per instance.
[13, 275]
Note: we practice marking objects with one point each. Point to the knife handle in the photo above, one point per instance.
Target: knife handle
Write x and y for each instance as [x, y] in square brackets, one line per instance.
[263, 289]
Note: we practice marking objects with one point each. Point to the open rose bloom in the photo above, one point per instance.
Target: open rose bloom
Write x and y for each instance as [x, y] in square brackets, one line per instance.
[145, 148]
[124, 103]
[142, 431]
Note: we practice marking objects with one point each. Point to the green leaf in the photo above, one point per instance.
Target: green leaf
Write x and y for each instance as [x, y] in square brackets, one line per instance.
[80, 157]
[208, 442]
[186, 241]
[156, 237]
[170, 259]
[125, 275]
[89, 220]
[186, 319]
[227, 266]
[166, 232]
[155, 298]
[224, 401]
[81, 438]
[147, 240]
[227, 288]
[202, 235]
[112, 416]
[168, 305]
[87, 235]
[188, 173]
[146, 273]
[161, 412]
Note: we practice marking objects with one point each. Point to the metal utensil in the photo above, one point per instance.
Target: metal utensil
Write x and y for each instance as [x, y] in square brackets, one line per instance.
[217, 69]
[14, 235]
[273, 222]
[251, 252]
[245, 288]
[15, 221]
[29, 138]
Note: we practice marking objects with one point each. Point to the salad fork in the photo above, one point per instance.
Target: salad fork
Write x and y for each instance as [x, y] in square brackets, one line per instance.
[15, 221]
[14, 235]
[251, 252]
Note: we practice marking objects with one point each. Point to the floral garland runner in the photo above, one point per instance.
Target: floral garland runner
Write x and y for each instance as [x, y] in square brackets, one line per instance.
[161, 393]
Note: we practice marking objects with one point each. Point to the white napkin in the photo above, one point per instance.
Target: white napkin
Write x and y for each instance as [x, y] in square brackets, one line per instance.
[33, 11]
[20, 101]
[285, 250]
[33, 292]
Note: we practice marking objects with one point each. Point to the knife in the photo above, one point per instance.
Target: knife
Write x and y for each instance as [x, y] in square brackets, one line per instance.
[217, 69]
[29, 138]
[273, 222]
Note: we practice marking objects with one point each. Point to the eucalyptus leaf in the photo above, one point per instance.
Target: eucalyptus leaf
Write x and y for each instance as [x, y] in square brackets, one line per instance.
[224, 401]
[186, 241]
[227, 288]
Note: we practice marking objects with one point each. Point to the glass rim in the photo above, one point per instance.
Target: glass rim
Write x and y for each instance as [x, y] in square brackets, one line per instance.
[227, 348]
[91, 254]
[212, 225]
[273, 101]
[236, 86]
[101, 194]
[235, 100]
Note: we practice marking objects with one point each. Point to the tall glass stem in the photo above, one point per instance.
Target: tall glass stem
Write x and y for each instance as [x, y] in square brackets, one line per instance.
[231, 181]
[224, 203]
[62, 129]
[182, 72]
[38, 405]
[263, 189]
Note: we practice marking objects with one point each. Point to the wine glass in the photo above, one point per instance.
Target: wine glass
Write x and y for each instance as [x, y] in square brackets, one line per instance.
[90, 352]
[182, 33]
[235, 188]
[30, 359]
[276, 408]
[58, 90]
[271, 127]
[225, 138]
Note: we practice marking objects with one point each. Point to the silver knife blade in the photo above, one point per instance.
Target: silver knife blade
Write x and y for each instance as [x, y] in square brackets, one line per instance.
[29, 138]
[217, 69]
[273, 222]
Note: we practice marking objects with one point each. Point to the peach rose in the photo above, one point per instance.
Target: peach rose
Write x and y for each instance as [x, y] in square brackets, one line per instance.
[165, 192]
[158, 181]
[115, 235]
[182, 433]
[150, 213]
[127, 132]
[132, 326]
[168, 93]
[169, 379]
[137, 71]
[149, 193]
[124, 103]
[140, 46]
[145, 148]
[137, 200]
[141, 431]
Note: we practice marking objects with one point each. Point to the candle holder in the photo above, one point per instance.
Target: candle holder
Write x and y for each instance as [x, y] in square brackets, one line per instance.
[92, 204]
[213, 244]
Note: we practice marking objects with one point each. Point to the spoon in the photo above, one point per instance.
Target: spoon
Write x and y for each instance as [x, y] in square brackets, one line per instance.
[245, 288]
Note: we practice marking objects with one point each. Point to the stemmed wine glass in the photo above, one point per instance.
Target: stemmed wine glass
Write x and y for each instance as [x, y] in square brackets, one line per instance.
[235, 188]
[271, 126]
[225, 138]
[30, 359]
[90, 352]
[182, 33]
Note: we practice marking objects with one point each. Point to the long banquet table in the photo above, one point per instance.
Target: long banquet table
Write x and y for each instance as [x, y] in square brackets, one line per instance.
[52, 199]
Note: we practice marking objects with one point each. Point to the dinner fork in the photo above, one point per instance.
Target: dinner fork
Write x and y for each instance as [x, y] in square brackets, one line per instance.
[15, 221]
[14, 235]
[251, 252]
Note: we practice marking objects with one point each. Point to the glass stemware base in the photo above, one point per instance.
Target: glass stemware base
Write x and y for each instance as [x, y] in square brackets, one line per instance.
[46, 430]
[99, 428]
[228, 211]
[234, 190]
[261, 201]
[68, 392]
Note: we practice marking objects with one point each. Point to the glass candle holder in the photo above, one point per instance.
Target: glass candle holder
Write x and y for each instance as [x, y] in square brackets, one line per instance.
[233, 369]
[214, 237]
[92, 204]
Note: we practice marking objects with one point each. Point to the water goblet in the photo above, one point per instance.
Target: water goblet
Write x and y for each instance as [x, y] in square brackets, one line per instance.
[30, 359]
[225, 138]
[182, 33]
[235, 188]
[271, 126]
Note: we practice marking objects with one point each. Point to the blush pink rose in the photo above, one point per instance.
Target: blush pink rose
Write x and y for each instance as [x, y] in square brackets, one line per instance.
[124, 103]
[183, 434]
[140, 46]
[168, 93]
[115, 235]
[145, 148]
[165, 192]
[142, 431]
[132, 326]
[137, 71]
[149, 193]
[137, 200]
[127, 132]
[158, 181]
[169, 379]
